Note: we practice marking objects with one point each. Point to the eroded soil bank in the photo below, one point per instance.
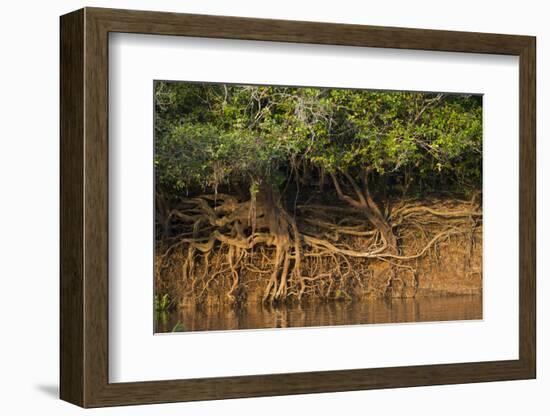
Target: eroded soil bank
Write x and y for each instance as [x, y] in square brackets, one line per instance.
[223, 251]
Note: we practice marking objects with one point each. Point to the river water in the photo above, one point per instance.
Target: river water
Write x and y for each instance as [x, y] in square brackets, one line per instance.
[377, 311]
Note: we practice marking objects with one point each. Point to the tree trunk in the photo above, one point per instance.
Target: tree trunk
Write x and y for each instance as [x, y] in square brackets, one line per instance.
[276, 220]
[366, 204]
[382, 225]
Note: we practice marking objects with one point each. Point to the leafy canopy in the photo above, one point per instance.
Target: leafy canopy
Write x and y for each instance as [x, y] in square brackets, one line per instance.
[211, 134]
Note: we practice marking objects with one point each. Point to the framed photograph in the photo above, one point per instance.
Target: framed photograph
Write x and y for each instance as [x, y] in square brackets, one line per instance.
[255, 207]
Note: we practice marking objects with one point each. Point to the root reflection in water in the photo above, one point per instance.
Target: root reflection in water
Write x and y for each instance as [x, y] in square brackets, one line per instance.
[316, 314]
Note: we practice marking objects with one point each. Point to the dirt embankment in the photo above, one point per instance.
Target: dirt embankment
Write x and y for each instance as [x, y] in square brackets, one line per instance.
[330, 253]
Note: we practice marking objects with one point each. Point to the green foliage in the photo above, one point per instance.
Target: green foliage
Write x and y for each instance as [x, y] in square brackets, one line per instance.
[212, 134]
[163, 303]
[178, 327]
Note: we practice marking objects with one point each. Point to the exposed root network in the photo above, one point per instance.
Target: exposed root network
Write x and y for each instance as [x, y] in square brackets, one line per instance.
[221, 247]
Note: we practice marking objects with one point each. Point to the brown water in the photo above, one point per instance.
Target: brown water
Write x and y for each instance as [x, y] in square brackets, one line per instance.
[378, 311]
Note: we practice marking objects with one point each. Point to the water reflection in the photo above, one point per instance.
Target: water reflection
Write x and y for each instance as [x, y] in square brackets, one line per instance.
[423, 309]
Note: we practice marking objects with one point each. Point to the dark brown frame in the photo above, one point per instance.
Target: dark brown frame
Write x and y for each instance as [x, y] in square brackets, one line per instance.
[84, 209]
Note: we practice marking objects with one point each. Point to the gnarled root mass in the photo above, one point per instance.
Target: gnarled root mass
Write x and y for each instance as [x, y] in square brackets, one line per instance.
[219, 249]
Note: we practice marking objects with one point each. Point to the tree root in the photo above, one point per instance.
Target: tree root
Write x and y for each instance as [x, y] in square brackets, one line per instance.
[220, 250]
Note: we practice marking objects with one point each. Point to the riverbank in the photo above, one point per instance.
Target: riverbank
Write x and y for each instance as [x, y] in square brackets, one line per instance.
[440, 253]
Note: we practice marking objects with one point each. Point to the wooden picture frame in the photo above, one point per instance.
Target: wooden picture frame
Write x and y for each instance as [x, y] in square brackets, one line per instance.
[84, 207]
